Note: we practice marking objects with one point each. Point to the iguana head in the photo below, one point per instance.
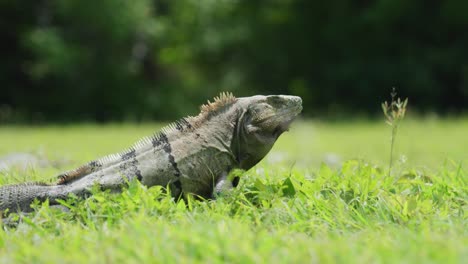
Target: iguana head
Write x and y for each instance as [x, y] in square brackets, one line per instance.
[261, 121]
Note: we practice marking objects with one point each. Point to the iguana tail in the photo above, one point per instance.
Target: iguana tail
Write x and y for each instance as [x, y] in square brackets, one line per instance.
[18, 197]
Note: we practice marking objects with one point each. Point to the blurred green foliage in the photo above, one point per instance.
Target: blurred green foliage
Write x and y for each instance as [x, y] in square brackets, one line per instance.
[159, 59]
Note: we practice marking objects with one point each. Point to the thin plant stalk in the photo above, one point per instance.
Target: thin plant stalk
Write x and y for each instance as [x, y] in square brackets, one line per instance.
[394, 112]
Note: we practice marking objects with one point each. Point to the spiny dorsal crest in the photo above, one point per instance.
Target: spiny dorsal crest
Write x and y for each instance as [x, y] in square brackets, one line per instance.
[80, 171]
[220, 101]
[184, 124]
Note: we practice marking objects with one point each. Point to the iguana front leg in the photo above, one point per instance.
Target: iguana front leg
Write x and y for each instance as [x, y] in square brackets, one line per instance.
[225, 183]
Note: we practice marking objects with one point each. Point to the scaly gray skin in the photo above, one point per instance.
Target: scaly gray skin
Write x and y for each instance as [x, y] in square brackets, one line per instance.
[193, 155]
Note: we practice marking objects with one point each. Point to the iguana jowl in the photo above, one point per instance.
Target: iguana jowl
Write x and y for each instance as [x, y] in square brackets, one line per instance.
[193, 155]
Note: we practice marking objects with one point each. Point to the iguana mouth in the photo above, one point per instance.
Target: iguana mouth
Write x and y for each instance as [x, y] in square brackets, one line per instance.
[292, 112]
[283, 127]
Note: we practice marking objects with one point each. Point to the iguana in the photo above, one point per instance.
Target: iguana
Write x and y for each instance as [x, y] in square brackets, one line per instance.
[193, 155]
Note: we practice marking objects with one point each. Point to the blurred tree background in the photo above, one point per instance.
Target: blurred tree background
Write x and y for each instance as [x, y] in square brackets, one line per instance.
[107, 60]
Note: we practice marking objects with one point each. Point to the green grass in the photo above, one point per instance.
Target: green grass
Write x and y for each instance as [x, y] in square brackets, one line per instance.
[291, 208]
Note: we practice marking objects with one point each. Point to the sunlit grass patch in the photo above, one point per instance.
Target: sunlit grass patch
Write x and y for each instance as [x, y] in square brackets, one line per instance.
[293, 208]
